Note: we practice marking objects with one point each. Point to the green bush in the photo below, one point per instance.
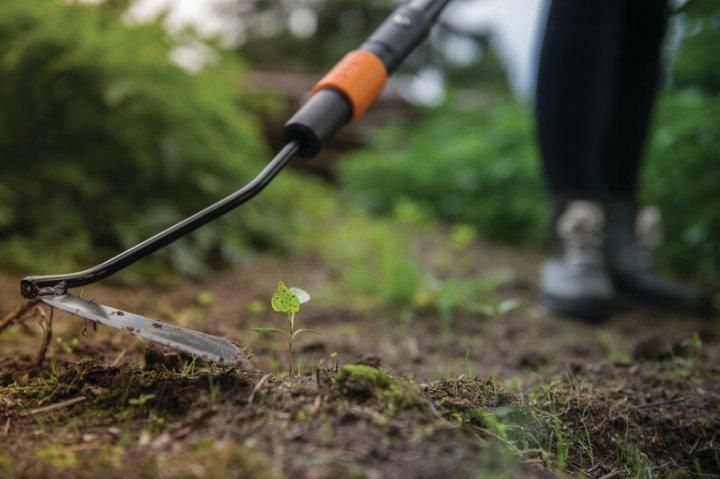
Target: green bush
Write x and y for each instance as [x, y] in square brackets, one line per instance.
[104, 141]
[682, 173]
[477, 167]
[682, 177]
[696, 65]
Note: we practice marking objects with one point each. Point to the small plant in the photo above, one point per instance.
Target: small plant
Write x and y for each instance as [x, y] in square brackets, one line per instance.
[214, 386]
[188, 368]
[288, 300]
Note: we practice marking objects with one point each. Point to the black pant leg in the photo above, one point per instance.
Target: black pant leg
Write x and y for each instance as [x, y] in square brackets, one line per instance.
[643, 29]
[575, 94]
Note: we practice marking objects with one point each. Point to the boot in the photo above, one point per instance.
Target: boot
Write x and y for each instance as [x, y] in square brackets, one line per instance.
[630, 237]
[574, 280]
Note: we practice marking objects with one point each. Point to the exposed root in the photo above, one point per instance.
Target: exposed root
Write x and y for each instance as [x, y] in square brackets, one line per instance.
[257, 388]
[17, 313]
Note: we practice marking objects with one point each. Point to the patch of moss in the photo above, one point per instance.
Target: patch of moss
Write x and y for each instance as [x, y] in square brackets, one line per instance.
[363, 383]
[365, 374]
[7, 467]
[210, 458]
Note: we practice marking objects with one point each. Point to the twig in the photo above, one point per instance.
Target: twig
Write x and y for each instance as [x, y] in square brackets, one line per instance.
[257, 388]
[46, 324]
[16, 313]
[692, 449]
[610, 474]
[118, 358]
[55, 406]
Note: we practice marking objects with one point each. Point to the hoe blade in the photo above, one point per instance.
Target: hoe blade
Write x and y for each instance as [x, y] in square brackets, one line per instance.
[208, 347]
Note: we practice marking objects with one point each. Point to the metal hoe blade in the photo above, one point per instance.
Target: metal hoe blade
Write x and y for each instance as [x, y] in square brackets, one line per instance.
[208, 347]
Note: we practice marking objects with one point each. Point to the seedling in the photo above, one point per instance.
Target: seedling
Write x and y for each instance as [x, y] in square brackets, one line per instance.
[288, 300]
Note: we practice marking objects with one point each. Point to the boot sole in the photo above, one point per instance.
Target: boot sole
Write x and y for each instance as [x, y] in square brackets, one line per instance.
[587, 309]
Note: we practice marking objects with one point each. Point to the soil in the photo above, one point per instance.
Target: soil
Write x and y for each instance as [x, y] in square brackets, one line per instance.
[516, 394]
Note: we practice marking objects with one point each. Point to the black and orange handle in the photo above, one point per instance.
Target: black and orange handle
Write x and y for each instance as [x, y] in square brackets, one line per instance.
[360, 76]
[353, 85]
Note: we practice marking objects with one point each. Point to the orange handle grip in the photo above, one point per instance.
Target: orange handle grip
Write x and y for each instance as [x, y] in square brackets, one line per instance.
[360, 76]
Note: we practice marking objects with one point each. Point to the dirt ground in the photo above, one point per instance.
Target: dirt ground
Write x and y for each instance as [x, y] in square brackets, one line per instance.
[516, 394]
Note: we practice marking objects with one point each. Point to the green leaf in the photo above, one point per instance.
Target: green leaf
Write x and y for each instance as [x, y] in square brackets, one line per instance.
[284, 301]
[306, 330]
[271, 330]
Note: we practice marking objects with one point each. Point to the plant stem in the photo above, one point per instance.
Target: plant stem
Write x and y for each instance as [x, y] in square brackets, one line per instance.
[290, 340]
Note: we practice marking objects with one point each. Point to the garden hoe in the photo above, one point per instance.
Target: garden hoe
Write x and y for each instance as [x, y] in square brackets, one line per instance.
[340, 97]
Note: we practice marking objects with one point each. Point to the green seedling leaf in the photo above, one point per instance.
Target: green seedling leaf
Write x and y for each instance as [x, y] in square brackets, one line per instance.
[306, 330]
[271, 330]
[284, 301]
[301, 294]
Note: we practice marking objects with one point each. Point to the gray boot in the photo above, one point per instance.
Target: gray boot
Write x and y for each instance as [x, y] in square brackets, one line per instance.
[630, 235]
[574, 281]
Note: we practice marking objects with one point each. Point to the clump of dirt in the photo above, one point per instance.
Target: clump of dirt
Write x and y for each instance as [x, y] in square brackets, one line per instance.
[465, 393]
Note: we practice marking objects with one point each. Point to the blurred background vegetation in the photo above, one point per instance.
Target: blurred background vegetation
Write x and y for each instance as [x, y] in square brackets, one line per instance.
[108, 134]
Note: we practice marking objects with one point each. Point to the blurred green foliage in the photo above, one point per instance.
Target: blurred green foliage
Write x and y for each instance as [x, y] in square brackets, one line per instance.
[697, 65]
[683, 172]
[478, 167]
[104, 141]
[375, 258]
[682, 177]
[342, 26]
[383, 266]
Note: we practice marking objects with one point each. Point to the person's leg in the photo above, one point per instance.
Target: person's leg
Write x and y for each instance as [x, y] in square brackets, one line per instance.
[574, 107]
[597, 82]
[638, 68]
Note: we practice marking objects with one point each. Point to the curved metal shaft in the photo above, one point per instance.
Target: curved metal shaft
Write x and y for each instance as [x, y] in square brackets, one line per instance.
[33, 286]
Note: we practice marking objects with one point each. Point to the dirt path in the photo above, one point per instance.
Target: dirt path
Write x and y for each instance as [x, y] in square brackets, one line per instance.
[321, 425]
